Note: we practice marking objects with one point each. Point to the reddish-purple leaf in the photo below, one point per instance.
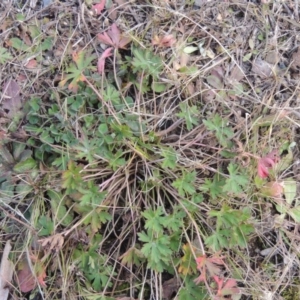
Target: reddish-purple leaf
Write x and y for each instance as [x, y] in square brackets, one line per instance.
[114, 33]
[25, 278]
[104, 38]
[101, 60]
[229, 288]
[12, 100]
[267, 162]
[99, 7]
[113, 37]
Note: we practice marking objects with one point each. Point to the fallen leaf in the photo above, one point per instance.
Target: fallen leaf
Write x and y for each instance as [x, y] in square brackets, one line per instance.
[262, 68]
[164, 41]
[31, 64]
[113, 12]
[21, 77]
[215, 81]
[113, 37]
[26, 279]
[12, 99]
[170, 287]
[101, 61]
[236, 74]
[267, 162]
[6, 272]
[98, 8]
[273, 189]
[54, 242]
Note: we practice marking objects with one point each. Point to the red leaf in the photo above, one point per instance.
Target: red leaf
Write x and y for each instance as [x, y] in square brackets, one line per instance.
[113, 37]
[99, 7]
[25, 278]
[114, 33]
[101, 60]
[219, 282]
[104, 38]
[229, 288]
[210, 264]
[41, 278]
[267, 162]
[201, 278]
[31, 64]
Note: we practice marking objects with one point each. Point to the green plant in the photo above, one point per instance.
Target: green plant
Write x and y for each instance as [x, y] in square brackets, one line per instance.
[94, 265]
[158, 248]
[76, 71]
[236, 182]
[185, 184]
[190, 114]
[223, 133]
[18, 170]
[5, 56]
[146, 68]
[232, 228]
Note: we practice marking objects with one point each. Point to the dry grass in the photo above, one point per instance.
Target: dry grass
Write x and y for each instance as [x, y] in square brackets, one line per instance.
[246, 70]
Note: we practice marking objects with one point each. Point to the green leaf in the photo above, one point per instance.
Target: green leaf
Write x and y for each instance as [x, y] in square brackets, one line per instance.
[215, 82]
[143, 237]
[213, 187]
[156, 249]
[76, 70]
[223, 132]
[159, 87]
[46, 44]
[103, 129]
[46, 138]
[72, 178]
[45, 225]
[232, 228]
[185, 184]
[216, 241]
[247, 57]
[289, 189]
[191, 291]
[5, 56]
[59, 210]
[237, 181]
[170, 158]
[25, 165]
[154, 219]
[95, 217]
[145, 61]
[188, 70]
[18, 44]
[111, 94]
[295, 213]
[174, 221]
[190, 114]
[92, 195]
